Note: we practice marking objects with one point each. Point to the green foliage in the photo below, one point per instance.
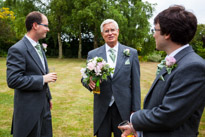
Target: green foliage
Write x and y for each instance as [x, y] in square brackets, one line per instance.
[134, 25]
[7, 34]
[154, 57]
[82, 18]
[198, 42]
[148, 46]
[142, 58]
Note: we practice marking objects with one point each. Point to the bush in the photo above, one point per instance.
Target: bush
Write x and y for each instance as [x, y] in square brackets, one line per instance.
[3, 53]
[201, 52]
[142, 58]
[154, 57]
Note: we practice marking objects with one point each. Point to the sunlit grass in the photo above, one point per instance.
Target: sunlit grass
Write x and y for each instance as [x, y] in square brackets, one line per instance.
[72, 113]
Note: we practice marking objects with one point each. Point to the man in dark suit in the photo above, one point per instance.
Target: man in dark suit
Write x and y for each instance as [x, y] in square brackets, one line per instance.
[120, 94]
[27, 74]
[175, 102]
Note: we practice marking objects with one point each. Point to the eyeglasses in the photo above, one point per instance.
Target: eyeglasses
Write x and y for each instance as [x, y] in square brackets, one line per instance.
[43, 25]
[111, 30]
[153, 30]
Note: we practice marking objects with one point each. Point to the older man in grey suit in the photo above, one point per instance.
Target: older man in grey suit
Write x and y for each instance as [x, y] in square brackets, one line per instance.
[175, 102]
[120, 94]
[27, 73]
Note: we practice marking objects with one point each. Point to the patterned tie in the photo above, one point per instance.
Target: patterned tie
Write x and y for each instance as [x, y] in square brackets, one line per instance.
[112, 54]
[38, 47]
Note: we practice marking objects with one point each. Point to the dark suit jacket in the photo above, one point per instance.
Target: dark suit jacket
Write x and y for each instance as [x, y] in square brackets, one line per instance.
[125, 85]
[25, 74]
[173, 108]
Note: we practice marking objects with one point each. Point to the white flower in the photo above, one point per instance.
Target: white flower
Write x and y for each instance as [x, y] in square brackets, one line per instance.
[83, 73]
[126, 52]
[44, 46]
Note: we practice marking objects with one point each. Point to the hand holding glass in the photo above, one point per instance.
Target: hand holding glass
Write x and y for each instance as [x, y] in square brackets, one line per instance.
[127, 123]
[52, 70]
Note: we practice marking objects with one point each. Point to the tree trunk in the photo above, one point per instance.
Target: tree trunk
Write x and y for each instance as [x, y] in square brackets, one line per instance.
[95, 39]
[80, 43]
[60, 56]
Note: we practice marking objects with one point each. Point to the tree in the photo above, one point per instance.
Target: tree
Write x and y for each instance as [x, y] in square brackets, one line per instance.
[26, 6]
[79, 15]
[7, 34]
[131, 15]
[198, 42]
[59, 13]
[135, 28]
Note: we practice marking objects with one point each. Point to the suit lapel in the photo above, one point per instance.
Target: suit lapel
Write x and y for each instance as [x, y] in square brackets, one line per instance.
[161, 73]
[45, 60]
[120, 60]
[102, 53]
[34, 54]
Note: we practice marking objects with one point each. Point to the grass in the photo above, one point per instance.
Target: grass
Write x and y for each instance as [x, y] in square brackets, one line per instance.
[72, 113]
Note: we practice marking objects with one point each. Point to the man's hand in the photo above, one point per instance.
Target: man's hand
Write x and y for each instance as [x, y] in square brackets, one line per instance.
[92, 83]
[127, 130]
[50, 77]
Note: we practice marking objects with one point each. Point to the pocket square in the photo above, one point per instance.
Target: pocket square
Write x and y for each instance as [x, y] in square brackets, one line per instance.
[127, 62]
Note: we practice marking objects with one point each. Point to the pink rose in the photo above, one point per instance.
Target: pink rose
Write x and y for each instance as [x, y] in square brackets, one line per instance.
[91, 65]
[100, 65]
[44, 45]
[97, 70]
[170, 61]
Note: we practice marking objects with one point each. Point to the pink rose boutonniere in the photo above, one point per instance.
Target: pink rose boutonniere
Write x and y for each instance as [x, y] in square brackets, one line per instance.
[44, 46]
[169, 63]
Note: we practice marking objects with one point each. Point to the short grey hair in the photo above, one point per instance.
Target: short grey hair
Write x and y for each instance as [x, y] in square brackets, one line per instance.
[107, 21]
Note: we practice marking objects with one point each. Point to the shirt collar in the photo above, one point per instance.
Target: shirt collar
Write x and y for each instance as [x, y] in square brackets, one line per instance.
[33, 43]
[115, 47]
[178, 50]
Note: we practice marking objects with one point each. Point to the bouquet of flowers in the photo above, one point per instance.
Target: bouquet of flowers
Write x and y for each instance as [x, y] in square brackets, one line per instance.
[98, 69]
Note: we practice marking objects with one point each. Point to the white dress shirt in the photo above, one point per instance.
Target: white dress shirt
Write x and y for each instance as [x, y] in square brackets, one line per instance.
[112, 64]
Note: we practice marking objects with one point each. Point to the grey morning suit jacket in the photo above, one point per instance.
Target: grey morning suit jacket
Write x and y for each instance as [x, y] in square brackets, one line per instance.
[125, 85]
[173, 108]
[25, 75]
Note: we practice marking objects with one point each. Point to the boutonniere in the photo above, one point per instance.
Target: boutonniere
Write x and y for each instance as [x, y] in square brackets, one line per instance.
[44, 45]
[169, 63]
[126, 52]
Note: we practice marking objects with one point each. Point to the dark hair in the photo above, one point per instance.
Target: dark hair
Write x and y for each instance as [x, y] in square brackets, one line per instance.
[179, 23]
[32, 17]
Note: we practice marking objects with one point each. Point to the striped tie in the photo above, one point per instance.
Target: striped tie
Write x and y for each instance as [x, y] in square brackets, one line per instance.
[112, 54]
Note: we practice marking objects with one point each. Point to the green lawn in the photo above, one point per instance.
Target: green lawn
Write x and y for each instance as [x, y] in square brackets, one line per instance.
[72, 104]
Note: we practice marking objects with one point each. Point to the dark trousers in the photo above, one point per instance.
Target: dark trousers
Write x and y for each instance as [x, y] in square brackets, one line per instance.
[43, 127]
[110, 123]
